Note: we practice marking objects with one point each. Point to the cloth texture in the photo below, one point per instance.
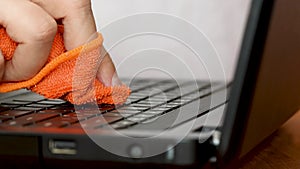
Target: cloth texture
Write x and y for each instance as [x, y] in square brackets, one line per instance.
[69, 75]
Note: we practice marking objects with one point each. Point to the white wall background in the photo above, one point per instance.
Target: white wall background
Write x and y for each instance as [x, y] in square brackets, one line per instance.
[221, 21]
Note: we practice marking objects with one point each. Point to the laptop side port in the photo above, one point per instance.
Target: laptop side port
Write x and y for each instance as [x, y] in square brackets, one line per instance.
[65, 147]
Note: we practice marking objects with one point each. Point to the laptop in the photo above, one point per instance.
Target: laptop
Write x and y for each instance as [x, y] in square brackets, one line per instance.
[165, 122]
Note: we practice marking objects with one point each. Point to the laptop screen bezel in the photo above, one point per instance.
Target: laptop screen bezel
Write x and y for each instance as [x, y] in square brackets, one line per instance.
[244, 80]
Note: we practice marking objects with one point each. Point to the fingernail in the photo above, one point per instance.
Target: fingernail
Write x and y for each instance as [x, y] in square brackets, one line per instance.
[116, 81]
[106, 82]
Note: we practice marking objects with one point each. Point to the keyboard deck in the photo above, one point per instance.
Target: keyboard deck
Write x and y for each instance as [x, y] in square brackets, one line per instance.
[148, 100]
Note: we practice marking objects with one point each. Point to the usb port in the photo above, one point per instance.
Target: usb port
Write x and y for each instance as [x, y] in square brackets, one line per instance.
[67, 147]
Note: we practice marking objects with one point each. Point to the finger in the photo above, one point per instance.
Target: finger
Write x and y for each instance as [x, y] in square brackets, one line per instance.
[34, 30]
[77, 18]
[107, 73]
[2, 65]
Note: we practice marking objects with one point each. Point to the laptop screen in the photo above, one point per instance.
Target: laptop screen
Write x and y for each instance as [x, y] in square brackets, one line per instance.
[173, 39]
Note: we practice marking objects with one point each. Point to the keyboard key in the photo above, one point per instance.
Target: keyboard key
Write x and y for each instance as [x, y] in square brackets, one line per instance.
[136, 119]
[96, 122]
[77, 116]
[125, 111]
[3, 108]
[59, 121]
[160, 109]
[39, 105]
[24, 108]
[9, 105]
[52, 101]
[157, 99]
[141, 105]
[180, 101]
[151, 101]
[30, 97]
[106, 108]
[5, 118]
[144, 115]
[131, 99]
[139, 94]
[123, 124]
[88, 112]
[51, 111]
[150, 112]
[168, 106]
[117, 114]
[64, 108]
[20, 102]
[53, 123]
[133, 108]
[29, 119]
[15, 113]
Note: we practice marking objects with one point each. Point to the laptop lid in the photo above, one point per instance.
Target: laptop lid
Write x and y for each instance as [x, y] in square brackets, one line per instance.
[266, 90]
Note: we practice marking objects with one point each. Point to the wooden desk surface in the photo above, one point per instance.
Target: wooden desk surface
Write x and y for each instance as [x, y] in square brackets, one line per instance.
[282, 151]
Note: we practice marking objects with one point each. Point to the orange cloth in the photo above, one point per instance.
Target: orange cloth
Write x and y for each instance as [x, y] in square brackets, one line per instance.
[70, 75]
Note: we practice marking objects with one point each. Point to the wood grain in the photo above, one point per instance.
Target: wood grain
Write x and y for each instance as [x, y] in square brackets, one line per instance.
[281, 152]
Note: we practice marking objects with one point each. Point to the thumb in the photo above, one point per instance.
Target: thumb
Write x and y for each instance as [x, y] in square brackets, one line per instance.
[107, 73]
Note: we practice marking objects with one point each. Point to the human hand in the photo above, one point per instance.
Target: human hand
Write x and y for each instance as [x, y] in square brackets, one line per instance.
[33, 24]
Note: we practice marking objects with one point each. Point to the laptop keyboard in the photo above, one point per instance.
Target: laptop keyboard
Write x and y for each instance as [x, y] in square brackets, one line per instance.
[148, 100]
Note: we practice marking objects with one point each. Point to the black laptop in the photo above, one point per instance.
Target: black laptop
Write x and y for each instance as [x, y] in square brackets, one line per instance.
[165, 122]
